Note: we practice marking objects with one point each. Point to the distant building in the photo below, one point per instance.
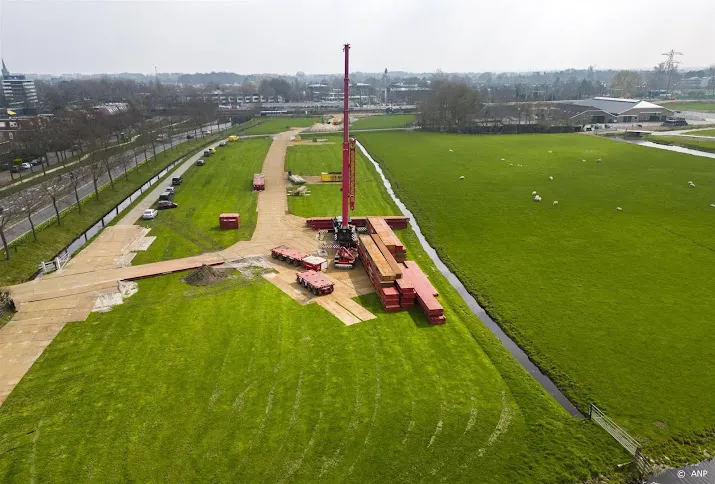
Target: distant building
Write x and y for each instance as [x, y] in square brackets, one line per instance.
[695, 83]
[626, 110]
[20, 92]
[111, 109]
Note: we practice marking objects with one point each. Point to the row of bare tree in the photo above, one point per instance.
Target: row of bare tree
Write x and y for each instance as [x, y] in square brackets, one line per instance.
[98, 158]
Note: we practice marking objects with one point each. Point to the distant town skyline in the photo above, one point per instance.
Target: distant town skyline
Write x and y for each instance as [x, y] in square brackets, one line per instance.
[275, 37]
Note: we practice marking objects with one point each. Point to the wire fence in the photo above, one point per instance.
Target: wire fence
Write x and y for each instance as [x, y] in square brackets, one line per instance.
[621, 436]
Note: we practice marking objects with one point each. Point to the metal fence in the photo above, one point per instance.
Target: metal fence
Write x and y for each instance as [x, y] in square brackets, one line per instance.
[623, 438]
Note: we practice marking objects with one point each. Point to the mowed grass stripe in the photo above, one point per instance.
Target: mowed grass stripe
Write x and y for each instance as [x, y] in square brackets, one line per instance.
[224, 184]
[598, 297]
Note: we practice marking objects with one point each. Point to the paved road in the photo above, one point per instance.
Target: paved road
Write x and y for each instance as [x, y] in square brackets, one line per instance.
[47, 212]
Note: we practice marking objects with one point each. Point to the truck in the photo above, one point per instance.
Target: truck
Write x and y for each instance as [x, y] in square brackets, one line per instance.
[259, 182]
[315, 282]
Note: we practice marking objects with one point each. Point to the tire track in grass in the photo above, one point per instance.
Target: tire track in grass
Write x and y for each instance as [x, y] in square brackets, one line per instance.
[269, 398]
[411, 425]
[333, 461]
[291, 467]
[33, 456]
[378, 393]
[502, 425]
[296, 402]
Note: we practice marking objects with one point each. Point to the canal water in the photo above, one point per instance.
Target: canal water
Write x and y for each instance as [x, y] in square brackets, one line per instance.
[508, 343]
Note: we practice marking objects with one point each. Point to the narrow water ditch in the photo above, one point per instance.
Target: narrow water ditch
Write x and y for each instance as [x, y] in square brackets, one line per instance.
[508, 343]
[97, 227]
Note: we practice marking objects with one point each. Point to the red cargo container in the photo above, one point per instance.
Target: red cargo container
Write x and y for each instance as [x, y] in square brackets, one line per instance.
[259, 182]
[229, 220]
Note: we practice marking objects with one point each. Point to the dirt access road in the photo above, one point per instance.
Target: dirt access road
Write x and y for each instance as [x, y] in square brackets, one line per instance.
[46, 305]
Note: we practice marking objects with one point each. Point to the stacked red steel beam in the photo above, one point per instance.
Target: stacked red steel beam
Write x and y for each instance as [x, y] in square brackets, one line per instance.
[379, 228]
[326, 223]
[425, 292]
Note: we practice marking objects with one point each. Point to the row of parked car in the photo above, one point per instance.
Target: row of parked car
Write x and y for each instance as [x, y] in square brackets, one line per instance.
[27, 165]
[165, 199]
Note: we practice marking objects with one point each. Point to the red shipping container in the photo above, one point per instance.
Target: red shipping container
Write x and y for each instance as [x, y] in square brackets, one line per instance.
[229, 220]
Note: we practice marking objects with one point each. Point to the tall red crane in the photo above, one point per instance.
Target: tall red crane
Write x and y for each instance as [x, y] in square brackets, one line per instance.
[344, 232]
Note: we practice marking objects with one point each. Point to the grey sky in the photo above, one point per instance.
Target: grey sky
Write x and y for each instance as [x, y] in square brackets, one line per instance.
[280, 36]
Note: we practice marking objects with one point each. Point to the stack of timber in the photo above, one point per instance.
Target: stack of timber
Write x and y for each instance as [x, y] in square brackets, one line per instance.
[398, 285]
[380, 229]
[296, 179]
[425, 292]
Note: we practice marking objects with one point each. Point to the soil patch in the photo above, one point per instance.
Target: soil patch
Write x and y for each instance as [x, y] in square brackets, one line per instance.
[206, 275]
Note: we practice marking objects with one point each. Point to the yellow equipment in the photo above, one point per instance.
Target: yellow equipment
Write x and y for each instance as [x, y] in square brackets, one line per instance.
[298, 138]
[333, 176]
[233, 138]
[212, 150]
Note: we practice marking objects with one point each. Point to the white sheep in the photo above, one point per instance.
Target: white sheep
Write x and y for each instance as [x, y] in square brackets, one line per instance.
[503, 159]
[518, 165]
[691, 184]
[712, 205]
[551, 178]
[619, 209]
[461, 177]
[533, 194]
[556, 202]
[583, 161]
[598, 160]
[550, 151]
[451, 150]
[537, 198]
[511, 164]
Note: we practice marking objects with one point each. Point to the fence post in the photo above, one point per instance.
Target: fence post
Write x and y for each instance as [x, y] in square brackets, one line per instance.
[590, 411]
[57, 264]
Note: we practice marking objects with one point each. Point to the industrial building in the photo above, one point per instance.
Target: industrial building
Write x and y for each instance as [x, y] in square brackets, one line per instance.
[624, 110]
[20, 92]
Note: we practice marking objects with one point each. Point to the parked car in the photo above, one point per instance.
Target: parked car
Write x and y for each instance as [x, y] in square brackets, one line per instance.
[177, 180]
[36, 162]
[222, 143]
[189, 136]
[167, 195]
[150, 214]
[204, 132]
[207, 153]
[200, 162]
[15, 169]
[171, 189]
[26, 166]
[164, 204]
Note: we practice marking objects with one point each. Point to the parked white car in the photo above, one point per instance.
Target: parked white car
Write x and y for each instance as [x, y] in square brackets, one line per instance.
[26, 166]
[171, 189]
[150, 214]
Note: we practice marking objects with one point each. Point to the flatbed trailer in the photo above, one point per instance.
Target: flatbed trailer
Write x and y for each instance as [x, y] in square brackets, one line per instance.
[315, 282]
[288, 254]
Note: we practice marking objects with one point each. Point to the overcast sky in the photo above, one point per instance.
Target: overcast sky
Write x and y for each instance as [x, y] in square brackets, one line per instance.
[281, 36]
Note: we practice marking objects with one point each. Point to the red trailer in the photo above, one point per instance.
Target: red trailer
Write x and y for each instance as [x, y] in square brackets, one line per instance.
[229, 220]
[315, 282]
[259, 182]
[289, 255]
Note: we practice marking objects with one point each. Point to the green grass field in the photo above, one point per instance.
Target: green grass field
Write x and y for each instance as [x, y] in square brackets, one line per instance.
[615, 305]
[685, 142]
[277, 124]
[27, 253]
[312, 160]
[384, 121]
[702, 132]
[238, 382]
[703, 107]
[224, 184]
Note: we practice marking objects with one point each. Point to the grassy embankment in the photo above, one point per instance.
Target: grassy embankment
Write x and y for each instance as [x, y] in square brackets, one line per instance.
[384, 121]
[26, 253]
[685, 142]
[614, 305]
[224, 184]
[240, 383]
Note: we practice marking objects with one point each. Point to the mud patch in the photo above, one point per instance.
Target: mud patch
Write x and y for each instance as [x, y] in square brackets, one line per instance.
[249, 267]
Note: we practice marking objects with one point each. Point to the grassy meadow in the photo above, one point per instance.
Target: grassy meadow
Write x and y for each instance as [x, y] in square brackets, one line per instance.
[615, 305]
[703, 107]
[701, 132]
[237, 382]
[384, 121]
[224, 184]
[277, 124]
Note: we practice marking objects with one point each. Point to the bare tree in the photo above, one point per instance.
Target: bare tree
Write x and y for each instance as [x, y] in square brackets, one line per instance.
[108, 163]
[77, 179]
[29, 201]
[9, 214]
[94, 170]
[124, 159]
[55, 188]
